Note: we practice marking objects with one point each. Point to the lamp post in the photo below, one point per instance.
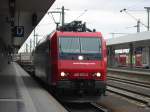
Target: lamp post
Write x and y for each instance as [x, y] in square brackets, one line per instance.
[148, 10]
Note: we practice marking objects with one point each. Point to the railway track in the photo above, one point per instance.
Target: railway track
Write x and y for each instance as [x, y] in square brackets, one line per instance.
[131, 89]
[84, 107]
[129, 81]
[74, 107]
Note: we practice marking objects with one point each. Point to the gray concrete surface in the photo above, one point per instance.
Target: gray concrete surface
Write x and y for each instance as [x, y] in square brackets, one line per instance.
[116, 103]
[19, 93]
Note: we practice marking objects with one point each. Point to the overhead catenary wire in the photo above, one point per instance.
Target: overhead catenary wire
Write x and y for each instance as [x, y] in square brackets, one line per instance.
[125, 10]
[117, 33]
[81, 14]
[52, 12]
[45, 24]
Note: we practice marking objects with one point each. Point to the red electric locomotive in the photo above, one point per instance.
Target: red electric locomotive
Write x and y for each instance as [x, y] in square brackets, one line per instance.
[72, 59]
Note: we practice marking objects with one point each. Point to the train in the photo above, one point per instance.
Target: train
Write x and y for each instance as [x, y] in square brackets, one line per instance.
[72, 59]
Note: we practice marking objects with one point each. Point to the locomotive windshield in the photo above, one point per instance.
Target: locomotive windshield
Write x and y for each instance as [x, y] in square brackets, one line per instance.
[90, 45]
[80, 45]
[70, 47]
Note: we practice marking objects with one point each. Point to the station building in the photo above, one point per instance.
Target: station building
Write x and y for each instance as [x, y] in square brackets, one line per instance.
[132, 51]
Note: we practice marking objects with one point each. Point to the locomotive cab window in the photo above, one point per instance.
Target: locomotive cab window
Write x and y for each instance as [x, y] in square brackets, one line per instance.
[90, 45]
[71, 47]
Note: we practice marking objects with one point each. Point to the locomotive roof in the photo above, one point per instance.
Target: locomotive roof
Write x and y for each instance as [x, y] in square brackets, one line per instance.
[45, 38]
[64, 33]
[78, 33]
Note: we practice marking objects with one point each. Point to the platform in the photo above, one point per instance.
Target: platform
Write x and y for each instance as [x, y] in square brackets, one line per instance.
[20, 93]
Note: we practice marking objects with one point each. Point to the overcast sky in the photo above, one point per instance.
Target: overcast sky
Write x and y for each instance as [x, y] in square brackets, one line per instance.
[103, 15]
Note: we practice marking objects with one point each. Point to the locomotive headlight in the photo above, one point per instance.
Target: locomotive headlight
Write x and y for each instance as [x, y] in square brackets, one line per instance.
[80, 57]
[98, 74]
[62, 74]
